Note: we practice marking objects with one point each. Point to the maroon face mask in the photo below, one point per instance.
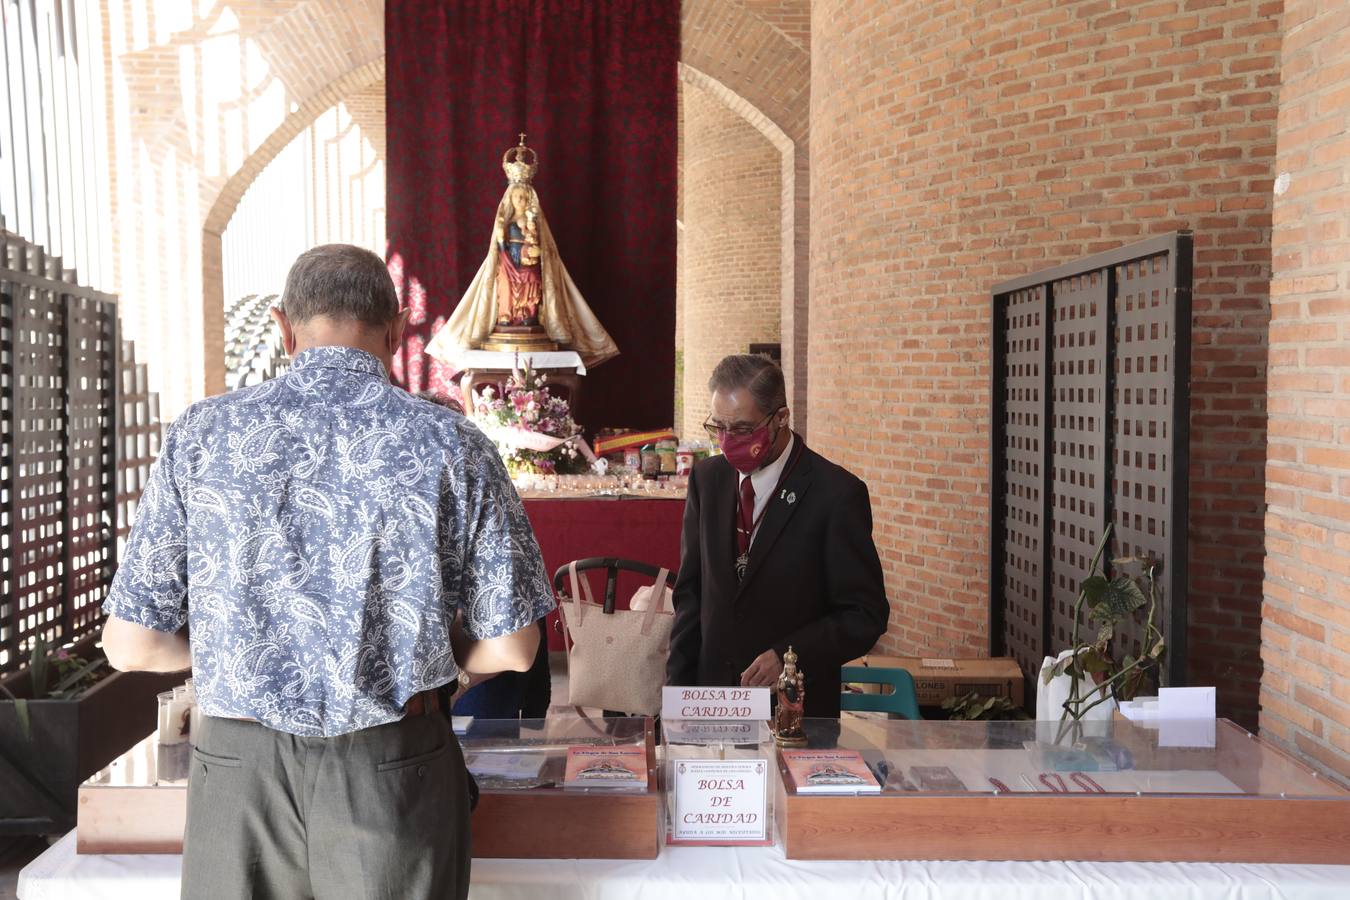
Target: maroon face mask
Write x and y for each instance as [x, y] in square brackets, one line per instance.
[746, 453]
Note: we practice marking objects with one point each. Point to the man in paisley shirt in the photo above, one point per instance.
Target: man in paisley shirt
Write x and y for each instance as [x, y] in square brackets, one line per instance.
[317, 535]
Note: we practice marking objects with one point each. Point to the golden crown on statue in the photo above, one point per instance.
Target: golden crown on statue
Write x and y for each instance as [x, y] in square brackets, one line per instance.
[519, 167]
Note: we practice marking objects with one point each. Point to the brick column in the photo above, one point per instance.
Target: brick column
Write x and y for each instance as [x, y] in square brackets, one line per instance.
[1305, 692]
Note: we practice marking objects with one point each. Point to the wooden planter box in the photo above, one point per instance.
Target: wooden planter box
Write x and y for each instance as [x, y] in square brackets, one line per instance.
[70, 740]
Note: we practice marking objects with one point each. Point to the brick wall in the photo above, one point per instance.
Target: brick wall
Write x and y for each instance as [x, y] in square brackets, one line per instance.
[1305, 694]
[731, 266]
[754, 54]
[792, 18]
[954, 145]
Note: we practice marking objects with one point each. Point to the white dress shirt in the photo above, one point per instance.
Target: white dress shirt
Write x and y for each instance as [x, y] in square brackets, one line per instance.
[765, 479]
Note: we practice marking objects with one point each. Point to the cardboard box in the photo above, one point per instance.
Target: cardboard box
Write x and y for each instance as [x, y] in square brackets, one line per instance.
[937, 679]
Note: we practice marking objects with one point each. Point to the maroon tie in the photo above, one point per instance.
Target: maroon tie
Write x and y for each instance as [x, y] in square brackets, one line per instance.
[746, 521]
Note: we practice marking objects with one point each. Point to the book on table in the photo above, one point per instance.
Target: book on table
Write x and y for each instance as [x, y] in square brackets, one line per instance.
[830, 772]
[607, 768]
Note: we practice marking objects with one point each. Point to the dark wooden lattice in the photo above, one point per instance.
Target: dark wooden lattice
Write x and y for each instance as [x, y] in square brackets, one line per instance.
[1090, 425]
[138, 434]
[58, 451]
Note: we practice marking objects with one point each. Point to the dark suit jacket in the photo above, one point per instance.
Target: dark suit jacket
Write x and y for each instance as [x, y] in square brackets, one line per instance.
[814, 580]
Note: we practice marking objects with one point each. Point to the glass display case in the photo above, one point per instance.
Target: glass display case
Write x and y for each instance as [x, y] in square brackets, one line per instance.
[1107, 790]
[527, 807]
[138, 803]
[569, 787]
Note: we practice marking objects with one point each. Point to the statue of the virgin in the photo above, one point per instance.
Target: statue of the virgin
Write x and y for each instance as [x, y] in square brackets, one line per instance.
[522, 297]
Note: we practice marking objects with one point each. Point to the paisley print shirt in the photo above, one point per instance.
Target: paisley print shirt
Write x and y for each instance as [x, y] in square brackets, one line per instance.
[319, 532]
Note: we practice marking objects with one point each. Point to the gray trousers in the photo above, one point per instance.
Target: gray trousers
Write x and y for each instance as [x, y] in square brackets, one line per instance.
[380, 813]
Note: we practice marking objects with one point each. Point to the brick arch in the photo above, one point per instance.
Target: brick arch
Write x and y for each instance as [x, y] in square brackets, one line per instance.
[759, 69]
[736, 272]
[227, 200]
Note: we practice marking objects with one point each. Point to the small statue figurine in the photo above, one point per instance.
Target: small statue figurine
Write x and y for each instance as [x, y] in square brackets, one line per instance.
[791, 694]
[522, 298]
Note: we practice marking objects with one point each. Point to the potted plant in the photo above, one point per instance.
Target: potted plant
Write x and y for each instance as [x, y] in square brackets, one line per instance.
[64, 716]
[1096, 674]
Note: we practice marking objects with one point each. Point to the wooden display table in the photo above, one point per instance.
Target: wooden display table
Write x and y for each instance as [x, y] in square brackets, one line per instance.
[1237, 800]
[124, 810]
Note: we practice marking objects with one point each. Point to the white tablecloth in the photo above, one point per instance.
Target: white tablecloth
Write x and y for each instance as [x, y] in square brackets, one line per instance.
[505, 359]
[740, 873]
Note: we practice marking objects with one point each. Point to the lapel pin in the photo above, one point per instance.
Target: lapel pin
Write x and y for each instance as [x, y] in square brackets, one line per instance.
[791, 498]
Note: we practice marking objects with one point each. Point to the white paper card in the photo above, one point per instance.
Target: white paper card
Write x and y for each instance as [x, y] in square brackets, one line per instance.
[1186, 717]
[720, 800]
[725, 703]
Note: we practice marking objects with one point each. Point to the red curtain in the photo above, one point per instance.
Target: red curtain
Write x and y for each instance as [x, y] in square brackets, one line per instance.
[593, 86]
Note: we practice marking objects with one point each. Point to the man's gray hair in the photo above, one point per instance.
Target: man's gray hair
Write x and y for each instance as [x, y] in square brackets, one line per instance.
[757, 374]
[340, 281]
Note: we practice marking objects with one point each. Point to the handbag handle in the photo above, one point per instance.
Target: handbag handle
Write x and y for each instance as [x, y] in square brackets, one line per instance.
[568, 642]
[656, 601]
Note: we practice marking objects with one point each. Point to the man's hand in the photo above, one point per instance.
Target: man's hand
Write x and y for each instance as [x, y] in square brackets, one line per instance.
[764, 671]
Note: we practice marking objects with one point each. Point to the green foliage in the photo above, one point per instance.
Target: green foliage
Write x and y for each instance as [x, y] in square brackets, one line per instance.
[74, 675]
[1109, 604]
[973, 707]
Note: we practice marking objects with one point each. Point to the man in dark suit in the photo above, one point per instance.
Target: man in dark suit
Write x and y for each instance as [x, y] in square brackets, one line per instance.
[777, 550]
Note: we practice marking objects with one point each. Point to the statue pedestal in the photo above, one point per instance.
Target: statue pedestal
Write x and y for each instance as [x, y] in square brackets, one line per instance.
[519, 339]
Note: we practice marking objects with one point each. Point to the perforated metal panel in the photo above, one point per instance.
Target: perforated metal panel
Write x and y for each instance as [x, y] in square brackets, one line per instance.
[1077, 439]
[1023, 523]
[1108, 444]
[1150, 431]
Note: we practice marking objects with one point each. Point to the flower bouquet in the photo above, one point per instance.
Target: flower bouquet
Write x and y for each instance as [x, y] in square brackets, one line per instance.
[533, 430]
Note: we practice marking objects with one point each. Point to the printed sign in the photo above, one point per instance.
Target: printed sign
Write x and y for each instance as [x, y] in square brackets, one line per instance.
[715, 703]
[719, 800]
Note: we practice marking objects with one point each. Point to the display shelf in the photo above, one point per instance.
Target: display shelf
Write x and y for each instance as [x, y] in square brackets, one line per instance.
[1111, 790]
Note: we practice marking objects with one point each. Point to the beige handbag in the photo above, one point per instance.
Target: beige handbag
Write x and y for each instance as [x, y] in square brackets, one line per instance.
[615, 660]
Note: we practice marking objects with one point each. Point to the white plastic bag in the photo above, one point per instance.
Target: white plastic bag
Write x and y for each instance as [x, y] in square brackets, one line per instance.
[1050, 697]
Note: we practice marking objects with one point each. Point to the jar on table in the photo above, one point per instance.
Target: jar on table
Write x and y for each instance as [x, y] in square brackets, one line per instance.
[684, 459]
[665, 450]
[651, 462]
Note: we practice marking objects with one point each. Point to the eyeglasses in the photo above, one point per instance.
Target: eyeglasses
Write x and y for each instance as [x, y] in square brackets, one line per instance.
[717, 431]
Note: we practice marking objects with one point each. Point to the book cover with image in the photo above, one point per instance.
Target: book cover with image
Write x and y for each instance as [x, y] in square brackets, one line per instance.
[611, 768]
[830, 772]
